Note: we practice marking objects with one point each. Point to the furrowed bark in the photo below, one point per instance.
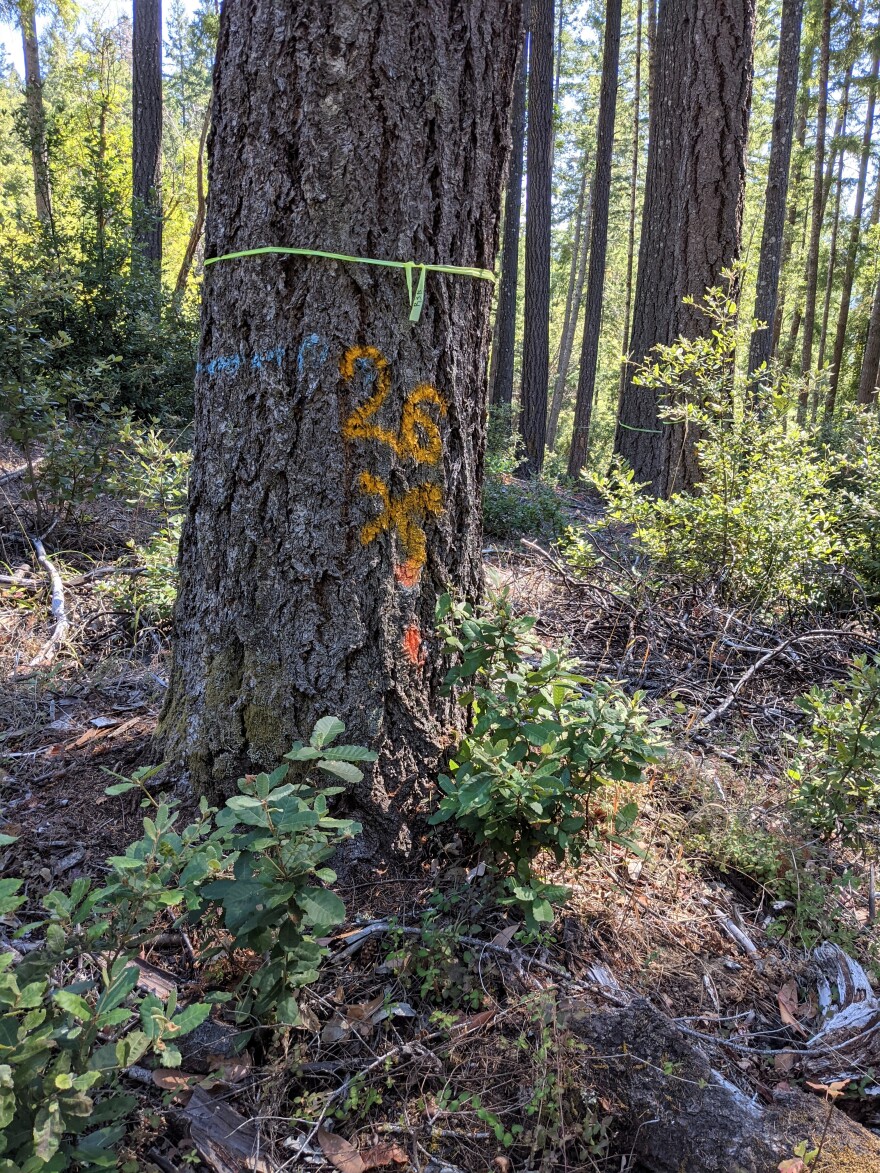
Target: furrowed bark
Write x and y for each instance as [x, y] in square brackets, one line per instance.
[692, 218]
[536, 336]
[338, 446]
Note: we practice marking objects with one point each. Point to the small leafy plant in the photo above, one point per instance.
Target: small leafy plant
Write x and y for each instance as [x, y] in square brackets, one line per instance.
[761, 524]
[543, 744]
[837, 763]
[251, 875]
[62, 1049]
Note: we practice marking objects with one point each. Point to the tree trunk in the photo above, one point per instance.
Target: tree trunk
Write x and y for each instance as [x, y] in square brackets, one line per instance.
[776, 194]
[795, 189]
[694, 193]
[832, 264]
[853, 244]
[146, 131]
[36, 117]
[199, 220]
[573, 299]
[503, 350]
[337, 457]
[812, 272]
[869, 375]
[633, 188]
[539, 185]
[580, 440]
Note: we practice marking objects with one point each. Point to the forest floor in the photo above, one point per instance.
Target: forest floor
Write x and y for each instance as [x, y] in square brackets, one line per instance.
[435, 1042]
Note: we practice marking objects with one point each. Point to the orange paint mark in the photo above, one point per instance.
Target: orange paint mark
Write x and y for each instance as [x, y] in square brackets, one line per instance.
[419, 436]
[412, 646]
[407, 574]
[402, 514]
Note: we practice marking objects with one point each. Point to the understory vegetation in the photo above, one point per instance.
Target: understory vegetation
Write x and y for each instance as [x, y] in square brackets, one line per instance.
[653, 709]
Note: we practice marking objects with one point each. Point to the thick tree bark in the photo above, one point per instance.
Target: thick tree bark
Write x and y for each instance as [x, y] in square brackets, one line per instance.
[776, 194]
[812, 272]
[694, 194]
[853, 243]
[580, 440]
[338, 446]
[539, 188]
[36, 116]
[146, 131]
[504, 345]
[633, 188]
[573, 298]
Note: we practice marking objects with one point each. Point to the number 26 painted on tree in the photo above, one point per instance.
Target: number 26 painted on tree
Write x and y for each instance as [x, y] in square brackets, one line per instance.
[424, 448]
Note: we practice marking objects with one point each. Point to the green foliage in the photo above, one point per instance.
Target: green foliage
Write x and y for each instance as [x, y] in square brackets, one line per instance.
[543, 744]
[255, 866]
[857, 489]
[512, 507]
[62, 1049]
[153, 474]
[762, 522]
[837, 763]
[250, 875]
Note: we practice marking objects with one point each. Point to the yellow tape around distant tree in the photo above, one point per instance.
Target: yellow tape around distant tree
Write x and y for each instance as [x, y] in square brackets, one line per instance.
[416, 298]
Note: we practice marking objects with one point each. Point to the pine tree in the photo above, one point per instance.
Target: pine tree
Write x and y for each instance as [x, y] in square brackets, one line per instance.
[539, 191]
[598, 242]
[146, 138]
[770, 261]
[692, 218]
[337, 447]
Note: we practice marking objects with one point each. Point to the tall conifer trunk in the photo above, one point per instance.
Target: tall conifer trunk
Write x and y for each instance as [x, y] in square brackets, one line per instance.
[504, 344]
[539, 190]
[849, 272]
[36, 116]
[146, 131]
[338, 445]
[583, 410]
[812, 274]
[692, 218]
[777, 182]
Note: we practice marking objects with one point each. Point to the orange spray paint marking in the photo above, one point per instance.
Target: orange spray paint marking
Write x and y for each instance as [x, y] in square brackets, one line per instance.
[403, 515]
[412, 646]
[407, 574]
[424, 448]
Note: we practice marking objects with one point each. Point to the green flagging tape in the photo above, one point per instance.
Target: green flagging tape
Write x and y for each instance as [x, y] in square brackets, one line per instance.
[416, 299]
[630, 428]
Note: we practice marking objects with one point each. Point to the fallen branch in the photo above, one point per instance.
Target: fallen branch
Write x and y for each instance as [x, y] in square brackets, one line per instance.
[62, 624]
[819, 633]
[33, 584]
[358, 937]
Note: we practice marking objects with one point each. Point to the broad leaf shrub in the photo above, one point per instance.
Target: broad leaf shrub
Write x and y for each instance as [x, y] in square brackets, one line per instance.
[252, 876]
[857, 488]
[837, 762]
[762, 524]
[543, 744]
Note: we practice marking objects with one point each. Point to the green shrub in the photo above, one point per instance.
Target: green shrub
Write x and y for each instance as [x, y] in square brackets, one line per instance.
[837, 763]
[761, 523]
[543, 744]
[857, 492]
[251, 876]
